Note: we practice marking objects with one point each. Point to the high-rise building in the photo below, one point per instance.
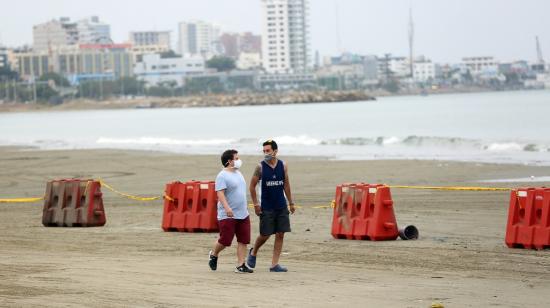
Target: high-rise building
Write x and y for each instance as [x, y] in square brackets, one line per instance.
[93, 31]
[233, 44]
[79, 62]
[199, 38]
[150, 38]
[3, 58]
[55, 34]
[285, 38]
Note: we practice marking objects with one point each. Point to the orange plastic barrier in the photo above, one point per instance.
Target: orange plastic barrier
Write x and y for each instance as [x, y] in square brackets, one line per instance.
[73, 203]
[529, 219]
[364, 212]
[190, 207]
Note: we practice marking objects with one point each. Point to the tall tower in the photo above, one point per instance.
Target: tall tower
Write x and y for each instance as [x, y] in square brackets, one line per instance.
[411, 43]
[540, 58]
[285, 37]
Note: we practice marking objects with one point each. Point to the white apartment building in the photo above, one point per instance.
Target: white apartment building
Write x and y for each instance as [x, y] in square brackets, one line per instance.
[393, 66]
[423, 71]
[138, 51]
[249, 60]
[93, 31]
[285, 37]
[55, 34]
[154, 70]
[479, 65]
[3, 57]
[199, 38]
[150, 38]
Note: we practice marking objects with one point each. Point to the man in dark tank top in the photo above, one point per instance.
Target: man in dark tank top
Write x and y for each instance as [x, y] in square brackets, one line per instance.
[272, 209]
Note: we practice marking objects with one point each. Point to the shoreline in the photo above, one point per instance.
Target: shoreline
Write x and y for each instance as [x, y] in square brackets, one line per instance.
[328, 158]
[234, 100]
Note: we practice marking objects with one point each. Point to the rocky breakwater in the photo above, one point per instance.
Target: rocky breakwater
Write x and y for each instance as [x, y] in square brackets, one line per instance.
[256, 99]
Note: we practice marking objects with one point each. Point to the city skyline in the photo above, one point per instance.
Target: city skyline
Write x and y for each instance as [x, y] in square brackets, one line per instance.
[444, 32]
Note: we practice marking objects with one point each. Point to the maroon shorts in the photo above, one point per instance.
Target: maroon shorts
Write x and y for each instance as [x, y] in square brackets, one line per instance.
[230, 227]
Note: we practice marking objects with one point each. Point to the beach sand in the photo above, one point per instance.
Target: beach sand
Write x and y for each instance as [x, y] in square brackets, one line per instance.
[460, 259]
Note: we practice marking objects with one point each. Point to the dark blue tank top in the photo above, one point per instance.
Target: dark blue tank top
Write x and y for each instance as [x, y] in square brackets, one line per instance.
[273, 186]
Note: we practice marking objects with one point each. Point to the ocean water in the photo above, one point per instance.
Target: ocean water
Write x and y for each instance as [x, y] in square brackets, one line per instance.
[503, 127]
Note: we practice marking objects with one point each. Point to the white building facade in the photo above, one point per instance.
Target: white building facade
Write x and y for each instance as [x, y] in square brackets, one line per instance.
[155, 70]
[199, 38]
[480, 65]
[285, 37]
[150, 38]
[60, 33]
[423, 71]
[93, 31]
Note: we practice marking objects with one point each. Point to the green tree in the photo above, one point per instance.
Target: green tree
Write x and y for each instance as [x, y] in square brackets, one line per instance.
[392, 86]
[127, 86]
[222, 64]
[7, 74]
[204, 85]
[59, 80]
[169, 54]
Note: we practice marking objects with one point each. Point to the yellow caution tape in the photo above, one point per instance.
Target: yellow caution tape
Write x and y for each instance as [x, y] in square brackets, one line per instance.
[460, 188]
[22, 200]
[137, 198]
[332, 205]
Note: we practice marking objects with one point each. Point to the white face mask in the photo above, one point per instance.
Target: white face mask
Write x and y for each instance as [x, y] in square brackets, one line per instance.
[237, 164]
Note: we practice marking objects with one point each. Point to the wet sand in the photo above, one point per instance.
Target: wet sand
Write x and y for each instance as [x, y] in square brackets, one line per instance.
[460, 260]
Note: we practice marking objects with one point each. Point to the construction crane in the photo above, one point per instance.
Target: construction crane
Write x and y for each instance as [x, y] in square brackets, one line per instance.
[540, 66]
[540, 59]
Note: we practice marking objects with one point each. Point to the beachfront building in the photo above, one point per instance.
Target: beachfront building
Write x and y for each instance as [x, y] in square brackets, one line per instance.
[149, 42]
[199, 38]
[60, 33]
[54, 34]
[77, 63]
[249, 61]
[156, 70]
[150, 38]
[285, 38]
[424, 70]
[138, 51]
[286, 81]
[234, 44]
[93, 31]
[393, 67]
[3, 58]
[479, 65]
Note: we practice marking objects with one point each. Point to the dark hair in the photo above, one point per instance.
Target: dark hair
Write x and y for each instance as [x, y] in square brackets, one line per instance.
[272, 143]
[227, 156]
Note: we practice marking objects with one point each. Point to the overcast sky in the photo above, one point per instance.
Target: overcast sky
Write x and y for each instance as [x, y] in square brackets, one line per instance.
[446, 30]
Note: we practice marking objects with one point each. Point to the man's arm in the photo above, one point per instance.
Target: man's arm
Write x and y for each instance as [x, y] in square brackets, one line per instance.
[223, 200]
[252, 188]
[287, 190]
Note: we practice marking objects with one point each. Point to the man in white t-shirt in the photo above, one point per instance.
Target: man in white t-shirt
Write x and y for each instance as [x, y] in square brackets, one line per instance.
[233, 217]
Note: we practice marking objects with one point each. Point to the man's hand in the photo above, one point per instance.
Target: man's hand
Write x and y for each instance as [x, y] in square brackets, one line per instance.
[257, 209]
[292, 208]
[229, 212]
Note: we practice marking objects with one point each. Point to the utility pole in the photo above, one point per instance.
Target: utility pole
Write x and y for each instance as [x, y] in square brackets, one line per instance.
[101, 88]
[34, 88]
[7, 89]
[411, 43]
[14, 91]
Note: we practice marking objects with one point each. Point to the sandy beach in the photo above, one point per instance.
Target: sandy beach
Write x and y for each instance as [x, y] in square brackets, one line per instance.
[460, 259]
